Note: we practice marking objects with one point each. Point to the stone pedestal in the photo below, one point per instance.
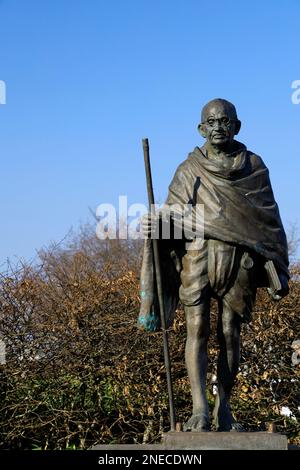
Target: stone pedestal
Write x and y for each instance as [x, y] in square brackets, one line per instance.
[224, 441]
[209, 441]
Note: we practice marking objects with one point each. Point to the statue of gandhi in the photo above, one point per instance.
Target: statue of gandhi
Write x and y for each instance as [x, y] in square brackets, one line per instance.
[243, 234]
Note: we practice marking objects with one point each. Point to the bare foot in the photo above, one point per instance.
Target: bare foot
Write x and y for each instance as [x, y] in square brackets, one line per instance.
[237, 427]
[223, 419]
[198, 422]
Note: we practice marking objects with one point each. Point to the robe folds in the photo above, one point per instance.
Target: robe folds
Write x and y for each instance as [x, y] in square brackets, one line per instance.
[239, 209]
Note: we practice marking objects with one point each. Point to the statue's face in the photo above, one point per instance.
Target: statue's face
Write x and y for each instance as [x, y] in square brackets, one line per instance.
[219, 125]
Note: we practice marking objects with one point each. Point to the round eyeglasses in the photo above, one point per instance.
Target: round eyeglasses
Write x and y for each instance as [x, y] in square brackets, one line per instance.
[223, 121]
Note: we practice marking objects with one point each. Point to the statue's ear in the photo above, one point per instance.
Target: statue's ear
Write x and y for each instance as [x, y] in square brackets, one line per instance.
[202, 130]
[237, 127]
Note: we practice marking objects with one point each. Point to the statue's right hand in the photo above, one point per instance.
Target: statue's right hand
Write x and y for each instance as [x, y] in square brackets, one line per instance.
[149, 224]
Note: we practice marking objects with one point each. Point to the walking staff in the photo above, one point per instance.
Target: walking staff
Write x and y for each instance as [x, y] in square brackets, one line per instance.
[159, 285]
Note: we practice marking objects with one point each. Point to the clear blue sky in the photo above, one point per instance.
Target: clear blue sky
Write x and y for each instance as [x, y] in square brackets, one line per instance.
[87, 79]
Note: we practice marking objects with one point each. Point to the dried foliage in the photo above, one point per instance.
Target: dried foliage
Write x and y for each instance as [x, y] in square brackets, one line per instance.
[78, 372]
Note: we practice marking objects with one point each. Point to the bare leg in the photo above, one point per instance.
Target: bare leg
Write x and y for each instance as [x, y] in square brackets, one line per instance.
[198, 328]
[228, 363]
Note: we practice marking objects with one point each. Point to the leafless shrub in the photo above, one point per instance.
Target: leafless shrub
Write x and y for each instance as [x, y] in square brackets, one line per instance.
[79, 372]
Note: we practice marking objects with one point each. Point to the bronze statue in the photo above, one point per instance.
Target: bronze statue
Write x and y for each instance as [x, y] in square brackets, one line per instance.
[244, 247]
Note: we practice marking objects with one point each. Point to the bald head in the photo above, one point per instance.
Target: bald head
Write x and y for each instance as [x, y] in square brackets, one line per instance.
[219, 104]
[219, 123]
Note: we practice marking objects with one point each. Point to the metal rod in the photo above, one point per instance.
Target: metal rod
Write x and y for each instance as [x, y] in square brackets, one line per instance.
[159, 286]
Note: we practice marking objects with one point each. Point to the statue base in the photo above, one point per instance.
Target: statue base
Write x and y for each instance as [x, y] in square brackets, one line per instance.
[224, 441]
[174, 440]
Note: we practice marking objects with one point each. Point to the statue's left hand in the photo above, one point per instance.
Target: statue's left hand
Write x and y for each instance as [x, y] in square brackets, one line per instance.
[278, 295]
